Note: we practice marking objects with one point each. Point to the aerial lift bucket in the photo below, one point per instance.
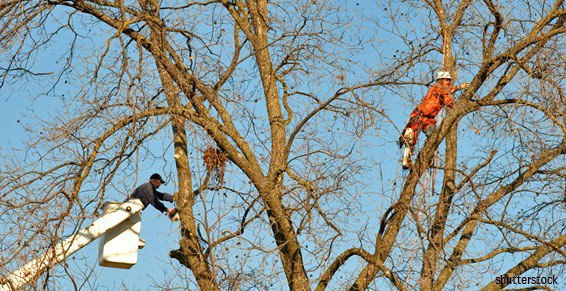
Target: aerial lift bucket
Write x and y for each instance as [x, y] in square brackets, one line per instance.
[118, 247]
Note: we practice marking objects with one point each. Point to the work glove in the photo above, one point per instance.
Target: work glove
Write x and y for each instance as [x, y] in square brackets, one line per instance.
[172, 214]
[464, 86]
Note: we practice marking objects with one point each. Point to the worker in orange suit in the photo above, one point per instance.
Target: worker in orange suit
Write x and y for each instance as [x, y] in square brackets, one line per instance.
[423, 118]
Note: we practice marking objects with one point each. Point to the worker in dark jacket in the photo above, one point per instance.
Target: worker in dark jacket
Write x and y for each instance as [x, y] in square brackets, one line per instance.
[148, 194]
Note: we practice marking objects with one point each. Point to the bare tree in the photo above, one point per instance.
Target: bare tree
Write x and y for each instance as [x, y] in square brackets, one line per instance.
[266, 109]
[510, 50]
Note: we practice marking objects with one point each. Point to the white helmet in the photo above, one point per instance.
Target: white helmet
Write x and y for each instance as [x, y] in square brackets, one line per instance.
[443, 75]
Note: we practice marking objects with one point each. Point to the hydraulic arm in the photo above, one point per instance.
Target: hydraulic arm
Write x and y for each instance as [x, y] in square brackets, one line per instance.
[58, 253]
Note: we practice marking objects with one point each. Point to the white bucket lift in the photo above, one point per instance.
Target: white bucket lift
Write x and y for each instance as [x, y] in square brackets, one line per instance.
[119, 227]
[117, 247]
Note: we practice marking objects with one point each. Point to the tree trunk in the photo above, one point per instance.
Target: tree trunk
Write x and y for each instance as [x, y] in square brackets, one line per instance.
[190, 253]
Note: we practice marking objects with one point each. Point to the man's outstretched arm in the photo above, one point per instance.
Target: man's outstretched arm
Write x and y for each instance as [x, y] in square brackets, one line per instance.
[159, 206]
[164, 196]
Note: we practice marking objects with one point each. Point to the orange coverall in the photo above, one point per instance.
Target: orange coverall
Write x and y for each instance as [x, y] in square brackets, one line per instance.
[424, 115]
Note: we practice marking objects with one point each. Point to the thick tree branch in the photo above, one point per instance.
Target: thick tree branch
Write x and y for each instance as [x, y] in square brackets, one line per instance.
[530, 262]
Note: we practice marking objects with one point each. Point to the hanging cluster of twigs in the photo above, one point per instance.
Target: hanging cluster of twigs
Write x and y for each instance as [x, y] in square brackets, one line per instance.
[215, 162]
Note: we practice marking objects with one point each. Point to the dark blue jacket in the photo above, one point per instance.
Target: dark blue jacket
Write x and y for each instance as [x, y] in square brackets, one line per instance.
[148, 195]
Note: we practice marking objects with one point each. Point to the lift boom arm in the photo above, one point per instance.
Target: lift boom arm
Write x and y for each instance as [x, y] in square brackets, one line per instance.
[67, 247]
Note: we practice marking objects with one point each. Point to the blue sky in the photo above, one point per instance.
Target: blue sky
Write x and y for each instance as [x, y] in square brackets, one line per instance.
[161, 235]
